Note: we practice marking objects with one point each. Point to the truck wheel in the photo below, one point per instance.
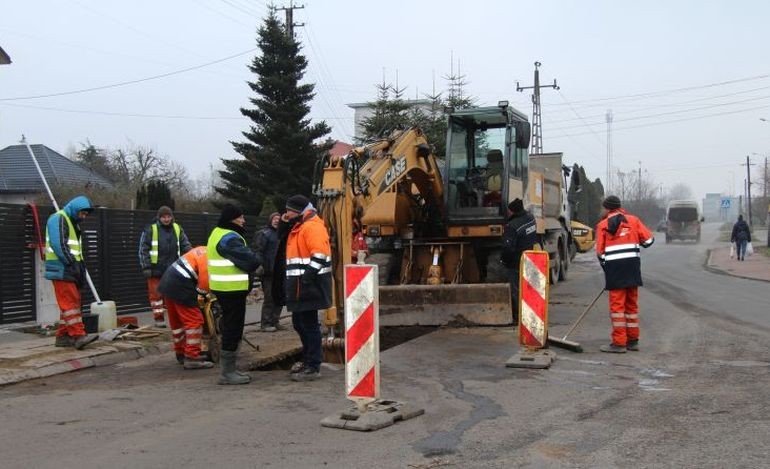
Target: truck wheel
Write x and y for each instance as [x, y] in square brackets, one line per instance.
[572, 250]
[555, 276]
[563, 264]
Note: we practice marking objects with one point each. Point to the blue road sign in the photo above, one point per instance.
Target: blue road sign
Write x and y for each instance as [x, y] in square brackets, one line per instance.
[725, 203]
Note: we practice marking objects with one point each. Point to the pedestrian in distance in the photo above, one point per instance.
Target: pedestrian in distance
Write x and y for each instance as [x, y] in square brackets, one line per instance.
[182, 285]
[231, 265]
[160, 245]
[520, 235]
[619, 239]
[266, 244]
[306, 279]
[65, 268]
[741, 236]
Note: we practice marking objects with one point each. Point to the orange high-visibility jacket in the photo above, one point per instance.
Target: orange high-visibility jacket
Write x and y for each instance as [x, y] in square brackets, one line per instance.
[619, 238]
[308, 265]
[186, 277]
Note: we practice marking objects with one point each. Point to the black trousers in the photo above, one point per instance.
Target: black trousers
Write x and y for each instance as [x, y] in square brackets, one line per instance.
[513, 281]
[309, 330]
[233, 317]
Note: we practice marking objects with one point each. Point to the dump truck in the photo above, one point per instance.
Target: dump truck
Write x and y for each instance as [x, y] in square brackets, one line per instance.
[434, 225]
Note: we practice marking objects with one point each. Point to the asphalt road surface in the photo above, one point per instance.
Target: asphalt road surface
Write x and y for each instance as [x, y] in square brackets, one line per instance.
[695, 396]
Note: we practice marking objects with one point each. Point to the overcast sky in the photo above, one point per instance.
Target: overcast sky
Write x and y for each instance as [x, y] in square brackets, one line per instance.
[687, 81]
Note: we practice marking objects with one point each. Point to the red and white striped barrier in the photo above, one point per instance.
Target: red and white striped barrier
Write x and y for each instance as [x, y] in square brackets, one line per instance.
[533, 288]
[362, 336]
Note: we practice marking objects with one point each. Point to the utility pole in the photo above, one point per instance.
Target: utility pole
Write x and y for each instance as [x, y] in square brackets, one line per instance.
[290, 24]
[748, 165]
[609, 151]
[537, 123]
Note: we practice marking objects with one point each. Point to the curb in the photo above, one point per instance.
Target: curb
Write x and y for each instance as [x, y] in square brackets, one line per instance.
[104, 359]
[716, 270]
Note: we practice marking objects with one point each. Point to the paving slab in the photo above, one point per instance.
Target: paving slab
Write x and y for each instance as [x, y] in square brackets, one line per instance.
[755, 267]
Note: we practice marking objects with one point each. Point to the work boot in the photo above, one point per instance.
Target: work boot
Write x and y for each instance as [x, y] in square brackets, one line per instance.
[268, 329]
[180, 358]
[64, 341]
[307, 374]
[297, 367]
[84, 340]
[197, 363]
[612, 348]
[633, 345]
[160, 324]
[228, 374]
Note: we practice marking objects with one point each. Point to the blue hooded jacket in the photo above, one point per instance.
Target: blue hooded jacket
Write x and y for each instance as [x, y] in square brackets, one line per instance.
[65, 267]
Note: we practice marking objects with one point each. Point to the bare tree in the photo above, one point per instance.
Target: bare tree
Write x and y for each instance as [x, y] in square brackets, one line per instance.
[680, 191]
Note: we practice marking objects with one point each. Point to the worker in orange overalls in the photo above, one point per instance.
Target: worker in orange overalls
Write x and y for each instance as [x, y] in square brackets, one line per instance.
[180, 285]
[619, 237]
[64, 267]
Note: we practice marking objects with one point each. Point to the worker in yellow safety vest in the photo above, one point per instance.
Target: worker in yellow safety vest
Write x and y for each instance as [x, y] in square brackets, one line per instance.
[231, 265]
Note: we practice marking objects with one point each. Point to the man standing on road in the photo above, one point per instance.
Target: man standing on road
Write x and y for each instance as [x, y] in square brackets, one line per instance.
[741, 236]
[231, 263]
[161, 243]
[65, 268]
[307, 282]
[266, 244]
[619, 236]
[180, 285]
[520, 235]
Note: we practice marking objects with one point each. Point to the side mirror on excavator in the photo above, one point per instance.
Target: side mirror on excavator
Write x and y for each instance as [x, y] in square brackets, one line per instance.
[523, 131]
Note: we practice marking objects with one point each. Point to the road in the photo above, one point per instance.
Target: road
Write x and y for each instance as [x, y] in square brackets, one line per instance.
[695, 396]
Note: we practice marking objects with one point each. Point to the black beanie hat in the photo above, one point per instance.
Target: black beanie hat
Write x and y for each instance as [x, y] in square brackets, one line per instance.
[516, 206]
[165, 210]
[612, 202]
[229, 213]
[297, 203]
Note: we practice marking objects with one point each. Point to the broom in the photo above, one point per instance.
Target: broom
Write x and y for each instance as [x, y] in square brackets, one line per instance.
[569, 344]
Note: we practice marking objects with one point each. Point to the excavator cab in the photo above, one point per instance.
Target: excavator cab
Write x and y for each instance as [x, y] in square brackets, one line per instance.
[486, 164]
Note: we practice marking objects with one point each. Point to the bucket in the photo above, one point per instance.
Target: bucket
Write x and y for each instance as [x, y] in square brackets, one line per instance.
[91, 322]
[108, 318]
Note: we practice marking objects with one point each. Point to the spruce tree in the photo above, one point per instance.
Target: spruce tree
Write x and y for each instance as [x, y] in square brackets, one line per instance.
[282, 145]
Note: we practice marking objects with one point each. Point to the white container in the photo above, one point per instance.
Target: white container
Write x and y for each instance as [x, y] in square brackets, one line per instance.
[108, 318]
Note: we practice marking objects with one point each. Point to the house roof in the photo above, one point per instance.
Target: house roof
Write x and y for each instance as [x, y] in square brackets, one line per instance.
[340, 148]
[5, 59]
[18, 173]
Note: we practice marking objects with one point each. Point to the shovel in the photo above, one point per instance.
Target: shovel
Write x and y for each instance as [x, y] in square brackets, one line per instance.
[569, 344]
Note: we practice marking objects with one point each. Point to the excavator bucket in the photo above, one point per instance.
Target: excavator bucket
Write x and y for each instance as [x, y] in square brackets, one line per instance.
[487, 304]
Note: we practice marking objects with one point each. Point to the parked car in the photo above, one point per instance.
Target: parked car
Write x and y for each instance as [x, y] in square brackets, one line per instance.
[661, 228]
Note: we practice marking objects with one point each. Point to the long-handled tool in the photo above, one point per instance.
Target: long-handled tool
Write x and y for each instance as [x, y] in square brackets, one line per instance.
[569, 344]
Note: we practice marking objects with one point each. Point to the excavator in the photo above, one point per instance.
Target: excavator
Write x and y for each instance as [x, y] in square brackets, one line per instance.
[434, 225]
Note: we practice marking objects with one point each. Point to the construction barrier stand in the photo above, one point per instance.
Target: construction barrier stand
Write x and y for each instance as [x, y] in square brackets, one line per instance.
[533, 299]
[362, 337]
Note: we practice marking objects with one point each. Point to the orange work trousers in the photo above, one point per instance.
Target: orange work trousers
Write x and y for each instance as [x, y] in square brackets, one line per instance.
[186, 328]
[70, 318]
[624, 314]
[156, 301]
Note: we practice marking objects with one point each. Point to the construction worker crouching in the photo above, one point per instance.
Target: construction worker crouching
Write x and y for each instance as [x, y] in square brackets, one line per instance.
[65, 268]
[161, 243]
[619, 236]
[231, 263]
[181, 284]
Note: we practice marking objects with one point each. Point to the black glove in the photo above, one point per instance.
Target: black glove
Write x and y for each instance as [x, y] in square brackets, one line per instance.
[147, 273]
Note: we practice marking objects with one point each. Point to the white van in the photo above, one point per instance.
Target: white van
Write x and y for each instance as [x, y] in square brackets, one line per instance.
[683, 220]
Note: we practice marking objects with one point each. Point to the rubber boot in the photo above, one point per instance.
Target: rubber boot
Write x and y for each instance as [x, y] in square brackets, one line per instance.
[229, 375]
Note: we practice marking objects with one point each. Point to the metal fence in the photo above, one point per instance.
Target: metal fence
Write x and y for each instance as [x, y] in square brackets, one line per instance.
[111, 246]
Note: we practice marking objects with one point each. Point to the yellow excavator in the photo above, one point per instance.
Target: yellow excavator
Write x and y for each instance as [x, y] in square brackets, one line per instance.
[434, 225]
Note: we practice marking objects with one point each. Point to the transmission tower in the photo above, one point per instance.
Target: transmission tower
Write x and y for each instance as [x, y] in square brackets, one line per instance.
[290, 24]
[608, 188]
[537, 124]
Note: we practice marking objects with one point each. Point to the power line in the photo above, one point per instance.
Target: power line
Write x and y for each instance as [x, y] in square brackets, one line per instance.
[121, 114]
[680, 111]
[580, 117]
[669, 91]
[130, 82]
[652, 124]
